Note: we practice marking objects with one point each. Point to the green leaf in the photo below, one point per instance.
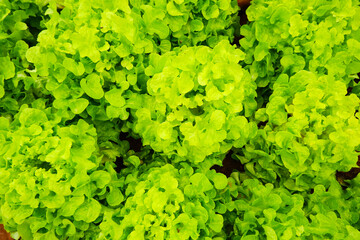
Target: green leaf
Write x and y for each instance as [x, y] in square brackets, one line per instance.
[165, 46]
[185, 82]
[275, 110]
[115, 197]
[101, 178]
[7, 68]
[123, 6]
[113, 5]
[76, 68]
[70, 206]
[160, 28]
[196, 25]
[218, 119]
[354, 47]
[4, 123]
[220, 181]
[159, 202]
[297, 25]
[115, 98]
[20, 26]
[122, 50]
[216, 222]
[353, 232]
[201, 182]
[133, 160]
[165, 130]
[270, 233]
[261, 51]
[212, 11]
[88, 212]
[283, 139]
[3, 13]
[173, 9]
[77, 106]
[168, 182]
[25, 231]
[202, 55]
[116, 112]
[224, 4]
[85, 40]
[30, 116]
[2, 91]
[184, 227]
[33, 54]
[293, 62]
[53, 200]
[92, 86]
[68, 228]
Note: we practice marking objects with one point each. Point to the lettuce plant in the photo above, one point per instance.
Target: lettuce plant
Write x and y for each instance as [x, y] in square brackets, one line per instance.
[289, 36]
[307, 119]
[164, 202]
[95, 54]
[259, 211]
[19, 25]
[49, 175]
[197, 102]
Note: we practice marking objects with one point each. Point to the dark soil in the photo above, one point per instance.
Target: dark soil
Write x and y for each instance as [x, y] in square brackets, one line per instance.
[243, 18]
[342, 176]
[229, 165]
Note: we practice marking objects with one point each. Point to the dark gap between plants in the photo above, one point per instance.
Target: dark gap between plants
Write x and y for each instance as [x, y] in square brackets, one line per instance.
[351, 88]
[119, 162]
[243, 18]
[135, 144]
[229, 164]
[349, 91]
[357, 80]
[34, 25]
[342, 176]
[262, 124]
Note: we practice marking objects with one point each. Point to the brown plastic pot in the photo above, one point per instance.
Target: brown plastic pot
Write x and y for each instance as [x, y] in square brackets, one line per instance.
[3, 234]
[243, 3]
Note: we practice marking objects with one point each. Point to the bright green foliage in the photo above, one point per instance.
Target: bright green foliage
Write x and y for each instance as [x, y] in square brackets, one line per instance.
[264, 212]
[18, 21]
[49, 171]
[290, 35]
[198, 102]
[114, 113]
[309, 120]
[167, 203]
[93, 51]
[188, 22]
[352, 207]
[260, 211]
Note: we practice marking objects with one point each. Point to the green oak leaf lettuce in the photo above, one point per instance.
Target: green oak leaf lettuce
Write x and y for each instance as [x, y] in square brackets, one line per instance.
[289, 36]
[167, 203]
[198, 102]
[51, 177]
